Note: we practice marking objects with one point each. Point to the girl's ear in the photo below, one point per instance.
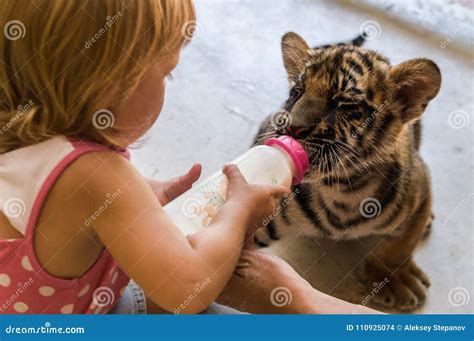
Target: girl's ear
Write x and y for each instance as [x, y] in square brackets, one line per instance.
[415, 82]
[295, 53]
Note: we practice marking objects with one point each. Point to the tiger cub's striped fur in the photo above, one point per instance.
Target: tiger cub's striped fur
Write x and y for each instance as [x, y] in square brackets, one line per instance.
[358, 118]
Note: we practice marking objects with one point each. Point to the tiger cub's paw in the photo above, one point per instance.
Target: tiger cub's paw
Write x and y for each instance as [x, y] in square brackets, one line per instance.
[398, 287]
[428, 227]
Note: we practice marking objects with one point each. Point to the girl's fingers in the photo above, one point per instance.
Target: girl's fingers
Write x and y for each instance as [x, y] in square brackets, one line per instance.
[249, 243]
[233, 173]
[278, 192]
[184, 182]
[177, 186]
[248, 256]
[194, 173]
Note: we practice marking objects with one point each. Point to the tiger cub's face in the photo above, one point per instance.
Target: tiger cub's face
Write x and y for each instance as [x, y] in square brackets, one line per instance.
[348, 105]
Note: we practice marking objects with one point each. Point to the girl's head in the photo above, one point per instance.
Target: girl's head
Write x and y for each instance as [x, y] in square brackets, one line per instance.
[89, 68]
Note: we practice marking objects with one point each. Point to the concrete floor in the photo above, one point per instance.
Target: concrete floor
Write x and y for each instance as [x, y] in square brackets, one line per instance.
[231, 76]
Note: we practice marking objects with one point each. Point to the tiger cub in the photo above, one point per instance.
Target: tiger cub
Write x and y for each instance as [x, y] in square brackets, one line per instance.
[358, 117]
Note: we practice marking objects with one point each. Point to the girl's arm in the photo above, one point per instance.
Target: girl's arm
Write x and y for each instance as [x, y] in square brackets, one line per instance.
[266, 284]
[151, 250]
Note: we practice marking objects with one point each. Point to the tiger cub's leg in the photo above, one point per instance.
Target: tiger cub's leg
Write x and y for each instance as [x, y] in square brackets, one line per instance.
[391, 262]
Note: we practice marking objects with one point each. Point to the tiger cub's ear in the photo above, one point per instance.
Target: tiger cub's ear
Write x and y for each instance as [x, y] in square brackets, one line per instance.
[415, 82]
[295, 52]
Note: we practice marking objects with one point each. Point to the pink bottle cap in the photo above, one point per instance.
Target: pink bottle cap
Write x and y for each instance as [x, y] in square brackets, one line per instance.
[297, 153]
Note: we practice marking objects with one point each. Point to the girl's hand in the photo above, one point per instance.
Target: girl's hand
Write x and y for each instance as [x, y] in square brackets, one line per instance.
[257, 201]
[263, 284]
[167, 191]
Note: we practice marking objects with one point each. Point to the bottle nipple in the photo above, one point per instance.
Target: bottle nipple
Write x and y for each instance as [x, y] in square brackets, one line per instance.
[296, 152]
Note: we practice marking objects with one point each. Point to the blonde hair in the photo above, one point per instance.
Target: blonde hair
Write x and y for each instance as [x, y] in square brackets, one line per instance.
[60, 59]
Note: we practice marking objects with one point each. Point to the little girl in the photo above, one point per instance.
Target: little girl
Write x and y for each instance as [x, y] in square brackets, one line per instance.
[80, 81]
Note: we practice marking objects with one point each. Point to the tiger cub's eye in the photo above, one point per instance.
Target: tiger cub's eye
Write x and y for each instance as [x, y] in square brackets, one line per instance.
[348, 106]
[355, 115]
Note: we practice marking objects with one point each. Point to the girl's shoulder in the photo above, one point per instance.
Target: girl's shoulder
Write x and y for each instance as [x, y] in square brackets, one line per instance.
[87, 207]
[86, 177]
[81, 195]
[28, 174]
[52, 188]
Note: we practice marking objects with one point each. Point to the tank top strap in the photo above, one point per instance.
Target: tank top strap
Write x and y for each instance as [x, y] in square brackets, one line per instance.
[28, 174]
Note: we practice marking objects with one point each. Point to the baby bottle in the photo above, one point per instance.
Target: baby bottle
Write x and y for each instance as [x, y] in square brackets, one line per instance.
[281, 161]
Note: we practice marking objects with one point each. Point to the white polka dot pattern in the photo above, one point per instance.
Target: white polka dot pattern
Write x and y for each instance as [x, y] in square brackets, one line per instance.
[67, 309]
[46, 291]
[84, 290]
[5, 280]
[26, 264]
[20, 307]
[114, 278]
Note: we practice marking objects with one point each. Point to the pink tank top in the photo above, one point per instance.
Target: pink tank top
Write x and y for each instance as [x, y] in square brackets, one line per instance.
[26, 177]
